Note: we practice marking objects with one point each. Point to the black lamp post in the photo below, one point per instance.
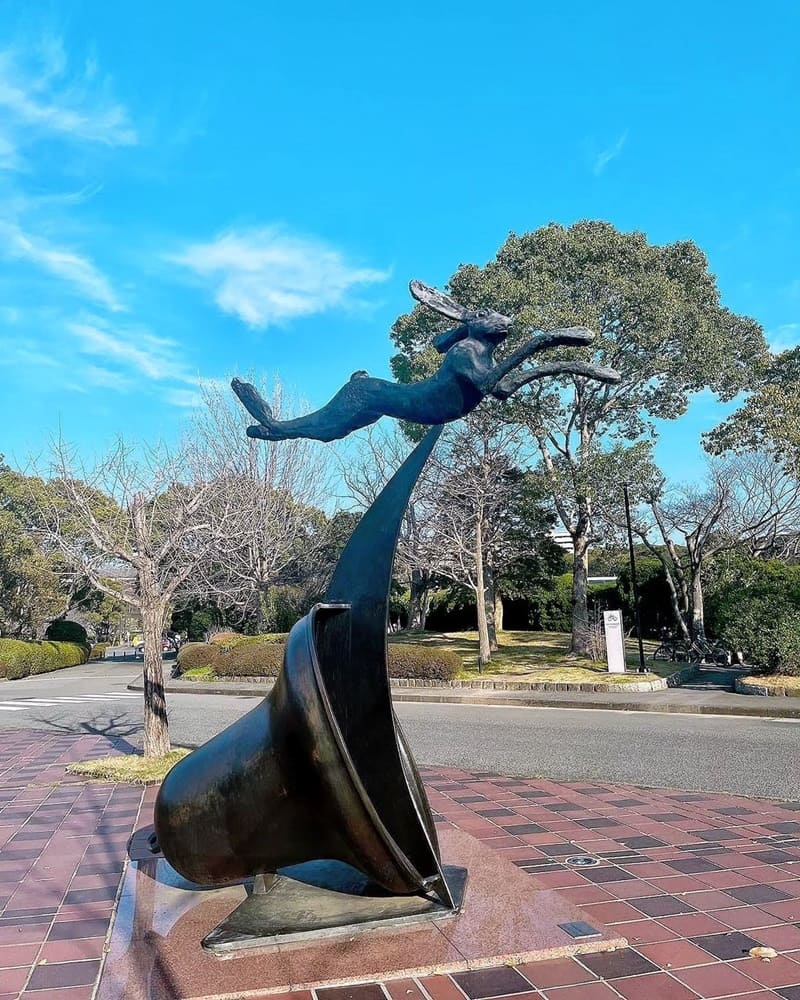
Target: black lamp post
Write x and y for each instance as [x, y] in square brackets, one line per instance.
[634, 582]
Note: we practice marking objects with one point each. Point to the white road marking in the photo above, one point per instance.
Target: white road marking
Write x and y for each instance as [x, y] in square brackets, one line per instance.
[22, 704]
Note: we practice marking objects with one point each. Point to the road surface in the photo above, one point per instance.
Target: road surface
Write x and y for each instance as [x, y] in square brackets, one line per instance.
[755, 757]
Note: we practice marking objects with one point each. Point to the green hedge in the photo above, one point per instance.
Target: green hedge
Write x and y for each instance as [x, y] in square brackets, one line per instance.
[98, 650]
[423, 663]
[265, 658]
[251, 660]
[193, 655]
[21, 659]
[231, 640]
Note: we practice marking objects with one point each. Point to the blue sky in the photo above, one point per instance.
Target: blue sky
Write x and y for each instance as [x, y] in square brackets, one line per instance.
[194, 190]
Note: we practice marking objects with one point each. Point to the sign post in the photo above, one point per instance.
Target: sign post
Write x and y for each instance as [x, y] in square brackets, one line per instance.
[615, 642]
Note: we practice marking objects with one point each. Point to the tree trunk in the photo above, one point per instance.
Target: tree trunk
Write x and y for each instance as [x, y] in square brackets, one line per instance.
[580, 593]
[156, 726]
[153, 610]
[698, 611]
[484, 646]
[491, 607]
[418, 601]
[498, 610]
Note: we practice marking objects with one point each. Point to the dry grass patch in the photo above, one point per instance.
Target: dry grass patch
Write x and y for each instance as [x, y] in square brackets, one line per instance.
[131, 769]
[791, 685]
[538, 657]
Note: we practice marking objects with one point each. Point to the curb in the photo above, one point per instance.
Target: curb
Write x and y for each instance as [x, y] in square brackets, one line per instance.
[768, 710]
[764, 690]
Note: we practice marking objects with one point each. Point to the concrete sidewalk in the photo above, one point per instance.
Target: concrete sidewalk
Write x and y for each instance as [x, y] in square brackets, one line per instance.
[689, 701]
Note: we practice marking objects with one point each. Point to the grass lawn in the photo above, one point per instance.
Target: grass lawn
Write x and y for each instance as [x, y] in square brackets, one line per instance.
[790, 684]
[536, 657]
[131, 768]
[523, 656]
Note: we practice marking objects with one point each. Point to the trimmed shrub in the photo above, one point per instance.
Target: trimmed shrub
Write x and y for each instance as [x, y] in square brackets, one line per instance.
[423, 662]
[251, 659]
[21, 659]
[98, 650]
[230, 640]
[786, 657]
[64, 630]
[265, 658]
[197, 654]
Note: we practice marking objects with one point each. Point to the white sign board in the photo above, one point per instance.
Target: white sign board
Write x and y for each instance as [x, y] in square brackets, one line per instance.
[615, 642]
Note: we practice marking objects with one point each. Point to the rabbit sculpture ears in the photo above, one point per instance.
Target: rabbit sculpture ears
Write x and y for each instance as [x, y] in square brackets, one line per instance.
[469, 320]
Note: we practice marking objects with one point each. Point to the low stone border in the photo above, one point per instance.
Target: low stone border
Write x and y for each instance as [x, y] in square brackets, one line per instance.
[658, 684]
[681, 676]
[765, 690]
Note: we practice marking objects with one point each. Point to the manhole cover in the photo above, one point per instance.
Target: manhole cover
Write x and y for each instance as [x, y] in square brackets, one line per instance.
[582, 861]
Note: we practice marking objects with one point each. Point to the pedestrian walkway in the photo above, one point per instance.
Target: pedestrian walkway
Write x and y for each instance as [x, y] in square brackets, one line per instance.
[26, 704]
[693, 881]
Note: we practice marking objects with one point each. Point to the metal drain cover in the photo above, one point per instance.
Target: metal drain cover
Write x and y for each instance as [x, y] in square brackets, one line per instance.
[582, 861]
[580, 929]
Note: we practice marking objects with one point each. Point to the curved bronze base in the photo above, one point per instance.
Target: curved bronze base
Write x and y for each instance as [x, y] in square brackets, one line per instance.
[320, 769]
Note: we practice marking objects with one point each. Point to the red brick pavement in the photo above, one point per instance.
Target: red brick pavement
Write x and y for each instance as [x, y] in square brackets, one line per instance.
[692, 880]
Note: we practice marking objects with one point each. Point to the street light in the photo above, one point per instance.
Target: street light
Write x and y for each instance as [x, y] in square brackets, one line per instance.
[634, 582]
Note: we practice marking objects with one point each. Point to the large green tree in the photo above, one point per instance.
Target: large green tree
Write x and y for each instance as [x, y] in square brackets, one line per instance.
[769, 419]
[659, 321]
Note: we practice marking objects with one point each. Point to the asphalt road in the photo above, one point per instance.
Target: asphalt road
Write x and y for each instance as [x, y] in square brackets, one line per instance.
[755, 757]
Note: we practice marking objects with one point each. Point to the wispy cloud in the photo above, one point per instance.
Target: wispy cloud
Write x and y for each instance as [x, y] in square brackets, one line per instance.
[79, 271]
[137, 352]
[266, 275]
[781, 338]
[40, 97]
[605, 156]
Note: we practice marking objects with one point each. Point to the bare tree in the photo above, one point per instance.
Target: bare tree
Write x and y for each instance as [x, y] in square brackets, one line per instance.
[276, 491]
[138, 523]
[476, 488]
[380, 452]
[746, 501]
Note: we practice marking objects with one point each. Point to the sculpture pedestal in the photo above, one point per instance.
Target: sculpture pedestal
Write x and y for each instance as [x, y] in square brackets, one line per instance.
[320, 900]
[506, 917]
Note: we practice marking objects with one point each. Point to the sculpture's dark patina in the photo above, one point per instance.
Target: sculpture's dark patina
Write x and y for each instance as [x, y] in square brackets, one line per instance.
[320, 769]
[467, 374]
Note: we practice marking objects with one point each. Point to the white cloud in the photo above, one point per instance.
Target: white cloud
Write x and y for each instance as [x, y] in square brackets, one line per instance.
[783, 337]
[605, 156]
[66, 264]
[266, 276]
[39, 97]
[136, 351]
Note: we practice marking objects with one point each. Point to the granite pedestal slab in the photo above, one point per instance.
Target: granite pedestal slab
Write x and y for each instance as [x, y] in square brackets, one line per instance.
[323, 899]
[155, 949]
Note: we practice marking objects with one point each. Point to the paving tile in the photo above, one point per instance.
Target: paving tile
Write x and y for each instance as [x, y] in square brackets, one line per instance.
[64, 974]
[718, 980]
[366, 991]
[587, 991]
[659, 986]
[616, 964]
[726, 946]
[404, 989]
[678, 954]
[662, 906]
[484, 983]
[758, 894]
[610, 874]
[556, 972]
[781, 971]
[690, 866]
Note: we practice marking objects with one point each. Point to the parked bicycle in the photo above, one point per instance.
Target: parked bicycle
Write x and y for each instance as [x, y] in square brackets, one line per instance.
[697, 651]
